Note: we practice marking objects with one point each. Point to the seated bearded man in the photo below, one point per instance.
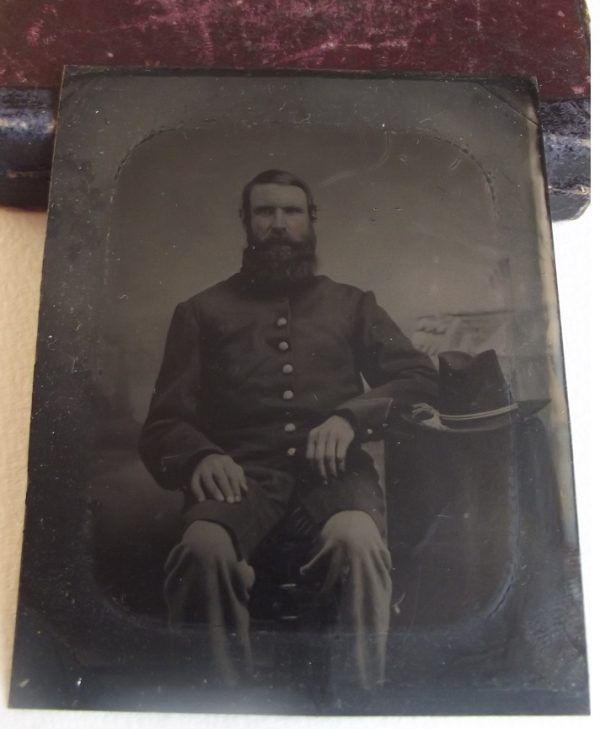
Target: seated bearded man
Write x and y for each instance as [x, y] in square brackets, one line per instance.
[258, 415]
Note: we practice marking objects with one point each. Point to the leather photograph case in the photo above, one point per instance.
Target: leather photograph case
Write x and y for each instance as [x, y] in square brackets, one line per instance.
[300, 440]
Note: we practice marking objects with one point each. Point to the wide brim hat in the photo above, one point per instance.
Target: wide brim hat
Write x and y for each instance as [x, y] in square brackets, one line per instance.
[474, 396]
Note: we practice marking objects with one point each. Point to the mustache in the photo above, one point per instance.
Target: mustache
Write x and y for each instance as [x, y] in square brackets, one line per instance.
[279, 243]
[281, 252]
[278, 239]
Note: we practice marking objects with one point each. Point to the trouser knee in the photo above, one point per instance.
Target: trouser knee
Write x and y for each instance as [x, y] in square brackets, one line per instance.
[354, 535]
[208, 543]
[204, 574]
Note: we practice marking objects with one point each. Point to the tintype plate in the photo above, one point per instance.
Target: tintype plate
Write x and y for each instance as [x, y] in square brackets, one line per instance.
[392, 414]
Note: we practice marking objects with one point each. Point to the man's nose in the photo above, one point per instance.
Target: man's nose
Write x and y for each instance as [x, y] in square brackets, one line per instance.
[279, 219]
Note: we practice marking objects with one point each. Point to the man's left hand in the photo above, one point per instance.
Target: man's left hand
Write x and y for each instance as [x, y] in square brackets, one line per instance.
[328, 444]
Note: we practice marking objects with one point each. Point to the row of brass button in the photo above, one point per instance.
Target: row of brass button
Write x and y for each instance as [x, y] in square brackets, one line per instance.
[287, 369]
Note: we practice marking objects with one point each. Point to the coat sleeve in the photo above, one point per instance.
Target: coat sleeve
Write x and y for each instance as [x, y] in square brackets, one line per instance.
[171, 443]
[398, 375]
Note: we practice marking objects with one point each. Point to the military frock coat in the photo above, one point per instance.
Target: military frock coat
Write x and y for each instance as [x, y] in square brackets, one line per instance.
[249, 373]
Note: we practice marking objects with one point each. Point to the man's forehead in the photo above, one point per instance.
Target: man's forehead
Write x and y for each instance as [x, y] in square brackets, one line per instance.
[278, 195]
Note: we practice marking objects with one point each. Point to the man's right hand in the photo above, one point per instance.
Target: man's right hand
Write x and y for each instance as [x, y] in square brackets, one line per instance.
[218, 477]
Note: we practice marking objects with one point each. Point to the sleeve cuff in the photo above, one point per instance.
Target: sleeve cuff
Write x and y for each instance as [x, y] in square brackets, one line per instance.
[368, 416]
[178, 468]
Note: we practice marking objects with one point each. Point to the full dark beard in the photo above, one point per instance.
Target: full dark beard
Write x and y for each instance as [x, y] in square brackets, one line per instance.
[279, 264]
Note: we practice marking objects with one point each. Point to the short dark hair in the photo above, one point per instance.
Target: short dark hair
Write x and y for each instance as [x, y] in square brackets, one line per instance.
[276, 177]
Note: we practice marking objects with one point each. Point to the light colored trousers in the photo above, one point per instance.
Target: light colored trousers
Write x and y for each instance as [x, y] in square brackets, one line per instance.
[207, 579]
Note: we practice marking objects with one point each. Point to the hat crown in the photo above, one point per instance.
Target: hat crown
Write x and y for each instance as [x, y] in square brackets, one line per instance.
[472, 384]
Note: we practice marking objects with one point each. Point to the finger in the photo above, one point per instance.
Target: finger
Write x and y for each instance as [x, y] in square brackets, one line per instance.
[311, 445]
[330, 451]
[196, 487]
[320, 454]
[211, 487]
[243, 482]
[340, 454]
[239, 486]
[222, 479]
[232, 472]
